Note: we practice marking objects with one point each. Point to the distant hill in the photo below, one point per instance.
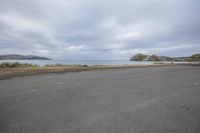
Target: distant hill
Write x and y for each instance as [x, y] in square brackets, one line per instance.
[21, 57]
[143, 57]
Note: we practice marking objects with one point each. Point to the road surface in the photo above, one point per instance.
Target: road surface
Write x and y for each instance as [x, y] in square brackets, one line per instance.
[126, 100]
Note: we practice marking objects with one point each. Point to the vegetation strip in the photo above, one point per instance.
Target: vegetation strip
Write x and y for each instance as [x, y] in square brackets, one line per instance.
[9, 70]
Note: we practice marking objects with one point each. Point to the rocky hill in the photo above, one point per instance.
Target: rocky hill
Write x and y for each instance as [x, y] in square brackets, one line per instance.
[143, 57]
[21, 57]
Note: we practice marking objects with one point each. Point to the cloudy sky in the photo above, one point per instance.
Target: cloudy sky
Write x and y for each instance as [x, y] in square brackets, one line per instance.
[99, 29]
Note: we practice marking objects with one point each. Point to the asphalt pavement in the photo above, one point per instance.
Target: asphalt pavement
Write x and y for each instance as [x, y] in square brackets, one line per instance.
[124, 100]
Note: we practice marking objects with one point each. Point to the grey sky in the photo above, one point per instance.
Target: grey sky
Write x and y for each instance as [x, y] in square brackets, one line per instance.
[99, 29]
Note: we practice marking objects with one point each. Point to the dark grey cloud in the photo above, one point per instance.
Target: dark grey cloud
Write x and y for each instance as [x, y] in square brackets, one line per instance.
[99, 29]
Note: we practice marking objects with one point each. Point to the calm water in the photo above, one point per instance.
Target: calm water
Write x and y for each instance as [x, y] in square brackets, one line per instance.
[82, 62]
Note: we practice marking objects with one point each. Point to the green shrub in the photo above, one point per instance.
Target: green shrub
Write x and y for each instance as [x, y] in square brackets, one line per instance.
[25, 65]
[16, 65]
[195, 56]
[84, 65]
[62, 65]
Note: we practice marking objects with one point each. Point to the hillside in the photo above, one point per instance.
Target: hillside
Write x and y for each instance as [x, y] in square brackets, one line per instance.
[21, 57]
[143, 57]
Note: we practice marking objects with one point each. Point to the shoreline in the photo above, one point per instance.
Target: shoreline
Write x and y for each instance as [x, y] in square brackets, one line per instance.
[7, 73]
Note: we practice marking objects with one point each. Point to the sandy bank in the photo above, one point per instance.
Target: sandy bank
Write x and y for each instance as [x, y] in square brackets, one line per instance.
[13, 72]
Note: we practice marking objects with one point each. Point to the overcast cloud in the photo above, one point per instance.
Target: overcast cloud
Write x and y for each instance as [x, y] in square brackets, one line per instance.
[99, 29]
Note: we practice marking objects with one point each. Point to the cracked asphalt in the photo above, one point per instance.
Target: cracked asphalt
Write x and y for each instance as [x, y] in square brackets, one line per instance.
[125, 100]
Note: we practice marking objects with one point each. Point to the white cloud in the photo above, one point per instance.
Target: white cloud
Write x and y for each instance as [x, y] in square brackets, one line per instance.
[99, 29]
[22, 23]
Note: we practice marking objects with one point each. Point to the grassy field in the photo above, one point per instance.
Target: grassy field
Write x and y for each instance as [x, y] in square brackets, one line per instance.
[26, 65]
[16, 65]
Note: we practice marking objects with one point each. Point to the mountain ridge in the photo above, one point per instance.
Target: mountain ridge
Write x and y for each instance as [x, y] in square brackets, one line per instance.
[144, 57]
[22, 57]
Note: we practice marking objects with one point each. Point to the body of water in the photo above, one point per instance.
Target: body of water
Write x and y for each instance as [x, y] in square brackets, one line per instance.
[88, 62]
[82, 62]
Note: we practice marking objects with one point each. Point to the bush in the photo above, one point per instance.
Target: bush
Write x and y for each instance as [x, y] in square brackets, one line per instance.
[159, 62]
[85, 65]
[25, 65]
[62, 65]
[195, 56]
[16, 65]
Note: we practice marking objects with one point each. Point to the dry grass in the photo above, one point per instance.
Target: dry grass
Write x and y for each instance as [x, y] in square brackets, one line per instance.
[63, 65]
[16, 65]
[9, 72]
